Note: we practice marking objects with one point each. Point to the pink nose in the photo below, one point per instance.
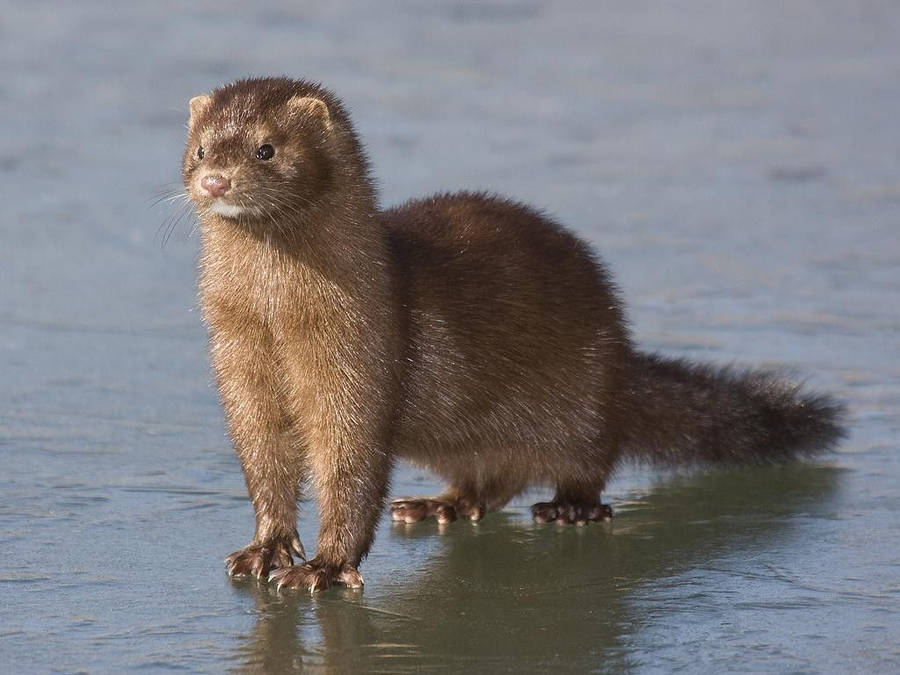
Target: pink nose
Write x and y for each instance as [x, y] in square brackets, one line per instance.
[216, 186]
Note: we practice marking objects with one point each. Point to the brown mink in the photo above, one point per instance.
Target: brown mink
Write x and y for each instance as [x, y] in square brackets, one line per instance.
[464, 332]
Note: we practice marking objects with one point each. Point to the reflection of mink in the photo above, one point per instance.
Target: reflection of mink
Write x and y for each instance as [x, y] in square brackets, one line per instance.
[466, 333]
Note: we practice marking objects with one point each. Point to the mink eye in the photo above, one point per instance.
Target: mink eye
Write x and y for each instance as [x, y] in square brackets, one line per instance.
[265, 152]
[200, 152]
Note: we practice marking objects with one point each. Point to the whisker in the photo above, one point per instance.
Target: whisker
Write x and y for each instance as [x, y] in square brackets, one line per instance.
[183, 210]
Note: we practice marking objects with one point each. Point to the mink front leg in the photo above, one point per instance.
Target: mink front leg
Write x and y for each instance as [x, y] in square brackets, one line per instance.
[344, 407]
[351, 474]
[266, 442]
[274, 492]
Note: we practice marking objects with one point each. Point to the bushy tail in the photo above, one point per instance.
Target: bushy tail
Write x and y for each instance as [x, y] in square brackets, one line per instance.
[682, 413]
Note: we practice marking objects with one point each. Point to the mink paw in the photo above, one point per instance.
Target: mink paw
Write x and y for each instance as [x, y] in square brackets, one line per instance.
[443, 510]
[260, 559]
[316, 576]
[566, 513]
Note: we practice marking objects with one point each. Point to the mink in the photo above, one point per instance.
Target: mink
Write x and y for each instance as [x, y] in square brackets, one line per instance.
[464, 332]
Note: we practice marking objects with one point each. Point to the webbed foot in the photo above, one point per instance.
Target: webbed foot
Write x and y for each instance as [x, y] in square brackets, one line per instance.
[260, 559]
[444, 510]
[570, 513]
[316, 575]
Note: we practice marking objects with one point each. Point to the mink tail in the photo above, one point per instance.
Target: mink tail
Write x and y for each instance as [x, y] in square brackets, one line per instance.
[681, 413]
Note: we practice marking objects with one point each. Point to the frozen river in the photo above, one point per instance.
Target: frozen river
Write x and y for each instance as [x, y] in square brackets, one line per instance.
[736, 164]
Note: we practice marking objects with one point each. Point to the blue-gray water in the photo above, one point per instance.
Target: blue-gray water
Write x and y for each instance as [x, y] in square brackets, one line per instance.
[738, 166]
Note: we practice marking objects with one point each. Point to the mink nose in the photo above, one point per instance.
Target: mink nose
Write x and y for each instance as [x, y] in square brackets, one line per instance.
[216, 186]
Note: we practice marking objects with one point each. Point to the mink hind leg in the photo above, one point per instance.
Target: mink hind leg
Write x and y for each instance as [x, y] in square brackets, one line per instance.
[579, 482]
[580, 475]
[466, 497]
[575, 503]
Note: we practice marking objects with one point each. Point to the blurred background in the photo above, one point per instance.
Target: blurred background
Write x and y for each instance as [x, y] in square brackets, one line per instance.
[736, 164]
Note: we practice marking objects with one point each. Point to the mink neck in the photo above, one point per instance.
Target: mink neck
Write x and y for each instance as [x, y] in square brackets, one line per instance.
[339, 236]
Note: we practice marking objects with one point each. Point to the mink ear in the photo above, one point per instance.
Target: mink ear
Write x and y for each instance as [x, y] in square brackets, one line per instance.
[311, 107]
[198, 104]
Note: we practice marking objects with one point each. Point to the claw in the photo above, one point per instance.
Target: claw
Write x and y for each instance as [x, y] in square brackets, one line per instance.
[350, 578]
[278, 577]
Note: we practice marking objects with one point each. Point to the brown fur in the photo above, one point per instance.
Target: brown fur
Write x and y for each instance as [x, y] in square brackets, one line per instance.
[466, 333]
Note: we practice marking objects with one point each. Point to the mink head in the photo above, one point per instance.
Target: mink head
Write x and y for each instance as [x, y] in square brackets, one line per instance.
[268, 150]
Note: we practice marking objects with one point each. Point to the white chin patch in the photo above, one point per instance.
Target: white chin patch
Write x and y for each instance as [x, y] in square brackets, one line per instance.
[227, 210]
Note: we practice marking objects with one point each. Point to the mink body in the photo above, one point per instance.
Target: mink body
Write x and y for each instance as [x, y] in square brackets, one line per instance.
[464, 332]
